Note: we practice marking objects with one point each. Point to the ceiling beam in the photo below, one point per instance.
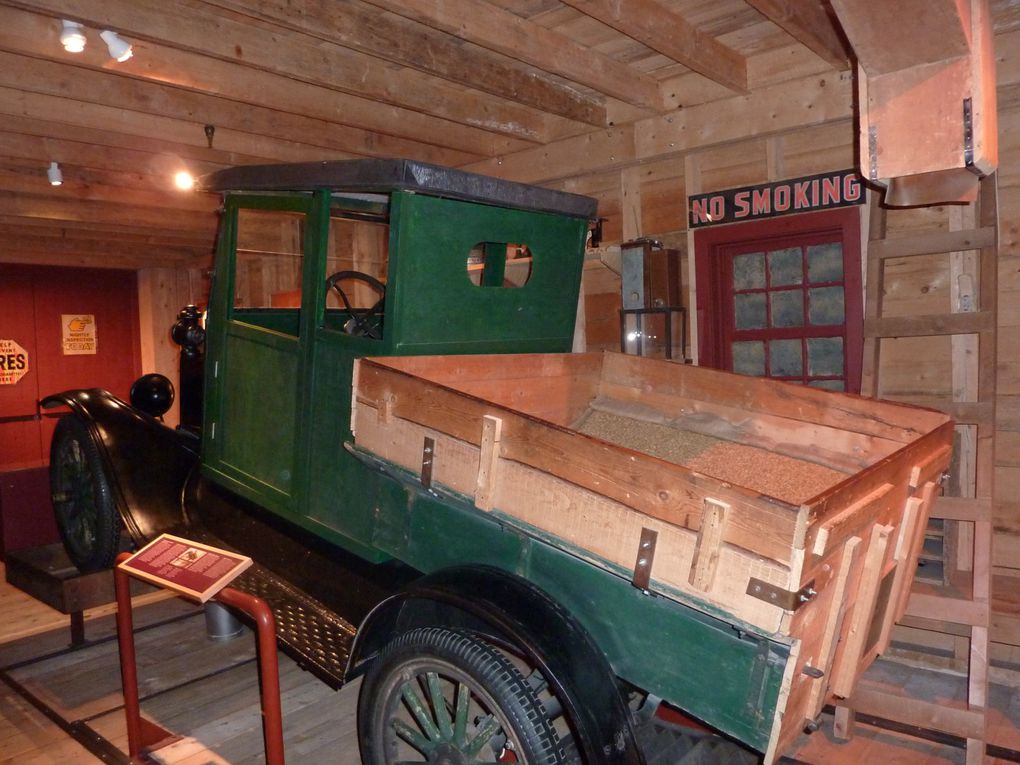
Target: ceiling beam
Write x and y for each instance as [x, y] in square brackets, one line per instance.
[53, 72]
[653, 24]
[500, 30]
[799, 103]
[198, 28]
[19, 245]
[362, 28]
[887, 37]
[201, 241]
[102, 150]
[34, 182]
[808, 22]
[233, 147]
[89, 212]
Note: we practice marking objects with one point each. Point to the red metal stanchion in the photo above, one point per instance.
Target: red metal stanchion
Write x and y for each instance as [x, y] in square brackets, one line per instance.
[269, 668]
[128, 665]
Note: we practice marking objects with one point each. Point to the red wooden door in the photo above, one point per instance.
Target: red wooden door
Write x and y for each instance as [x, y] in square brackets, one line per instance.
[782, 298]
[33, 301]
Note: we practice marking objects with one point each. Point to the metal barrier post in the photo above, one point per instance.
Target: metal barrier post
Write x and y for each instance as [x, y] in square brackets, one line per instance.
[269, 668]
[128, 665]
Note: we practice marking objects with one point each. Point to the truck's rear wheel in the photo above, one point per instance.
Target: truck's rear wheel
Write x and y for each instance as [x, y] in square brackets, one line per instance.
[86, 516]
[447, 698]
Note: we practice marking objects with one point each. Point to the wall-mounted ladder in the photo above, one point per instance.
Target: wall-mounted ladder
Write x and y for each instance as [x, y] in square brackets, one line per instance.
[954, 587]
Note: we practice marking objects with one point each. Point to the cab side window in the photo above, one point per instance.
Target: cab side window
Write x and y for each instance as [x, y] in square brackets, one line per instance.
[267, 269]
[356, 276]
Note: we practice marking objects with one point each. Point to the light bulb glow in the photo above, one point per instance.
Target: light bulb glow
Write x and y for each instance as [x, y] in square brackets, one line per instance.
[72, 36]
[119, 48]
[184, 180]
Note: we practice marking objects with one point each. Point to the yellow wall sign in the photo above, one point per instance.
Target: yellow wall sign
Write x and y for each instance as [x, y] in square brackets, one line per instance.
[13, 362]
[78, 333]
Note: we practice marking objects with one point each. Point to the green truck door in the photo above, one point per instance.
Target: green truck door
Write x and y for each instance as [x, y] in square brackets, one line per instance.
[257, 354]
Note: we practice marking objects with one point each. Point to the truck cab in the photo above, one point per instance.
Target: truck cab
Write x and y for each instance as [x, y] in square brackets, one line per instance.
[320, 264]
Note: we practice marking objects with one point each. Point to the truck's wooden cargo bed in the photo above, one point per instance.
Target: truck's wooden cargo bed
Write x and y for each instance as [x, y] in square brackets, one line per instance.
[786, 510]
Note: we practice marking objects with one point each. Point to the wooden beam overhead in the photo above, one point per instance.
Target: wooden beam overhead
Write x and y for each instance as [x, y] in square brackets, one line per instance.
[887, 37]
[795, 104]
[653, 24]
[193, 26]
[17, 246]
[48, 71]
[809, 22]
[89, 212]
[362, 28]
[500, 30]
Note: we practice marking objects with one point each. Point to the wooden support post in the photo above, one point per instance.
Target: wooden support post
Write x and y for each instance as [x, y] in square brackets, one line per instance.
[488, 462]
[706, 550]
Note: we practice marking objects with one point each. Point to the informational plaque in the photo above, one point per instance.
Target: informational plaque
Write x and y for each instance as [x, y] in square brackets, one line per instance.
[193, 569]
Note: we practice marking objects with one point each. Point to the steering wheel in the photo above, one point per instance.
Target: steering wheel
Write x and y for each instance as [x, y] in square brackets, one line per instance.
[360, 323]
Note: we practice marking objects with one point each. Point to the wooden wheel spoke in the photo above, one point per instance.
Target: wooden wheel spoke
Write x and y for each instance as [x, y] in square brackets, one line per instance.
[420, 711]
[442, 714]
[413, 737]
[461, 715]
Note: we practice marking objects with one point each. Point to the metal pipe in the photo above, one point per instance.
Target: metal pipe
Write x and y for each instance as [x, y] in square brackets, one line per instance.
[128, 665]
[269, 669]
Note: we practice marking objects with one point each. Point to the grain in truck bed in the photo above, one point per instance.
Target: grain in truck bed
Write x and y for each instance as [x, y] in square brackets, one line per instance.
[786, 510]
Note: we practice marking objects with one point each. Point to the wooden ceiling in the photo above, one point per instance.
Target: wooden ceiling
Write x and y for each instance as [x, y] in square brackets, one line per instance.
[480, 84]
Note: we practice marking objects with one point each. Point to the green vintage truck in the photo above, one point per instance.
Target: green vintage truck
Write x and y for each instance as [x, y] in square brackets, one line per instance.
[512, 543]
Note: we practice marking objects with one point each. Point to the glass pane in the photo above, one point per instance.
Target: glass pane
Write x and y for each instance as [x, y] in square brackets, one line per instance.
[749, 357]
[785, 267]
[785, 358]
[749, 311]
[825, 262]
[267, 275]
[749, 271]
[825, 305]
[825, 356]
[828, 384]
[787, 308]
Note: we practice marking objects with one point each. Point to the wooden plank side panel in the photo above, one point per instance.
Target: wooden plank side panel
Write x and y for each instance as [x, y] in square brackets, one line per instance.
[603, 530]
[654, 487]
[876, 418]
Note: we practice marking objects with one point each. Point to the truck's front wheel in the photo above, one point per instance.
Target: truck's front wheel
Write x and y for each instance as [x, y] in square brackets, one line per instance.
[445, 697]
[86, 516]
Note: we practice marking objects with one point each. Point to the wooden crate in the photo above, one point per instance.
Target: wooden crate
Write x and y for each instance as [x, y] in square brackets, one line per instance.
[508, 432]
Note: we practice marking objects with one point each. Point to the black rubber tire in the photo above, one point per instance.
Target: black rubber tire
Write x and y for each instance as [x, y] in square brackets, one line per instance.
[86, 515]
[496, 687]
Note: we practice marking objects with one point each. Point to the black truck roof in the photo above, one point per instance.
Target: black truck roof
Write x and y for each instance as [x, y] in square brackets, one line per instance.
[385, 175]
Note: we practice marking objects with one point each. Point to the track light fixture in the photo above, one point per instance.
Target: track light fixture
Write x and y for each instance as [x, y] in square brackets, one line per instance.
[119, 48]
[53, 173]
[72, 36]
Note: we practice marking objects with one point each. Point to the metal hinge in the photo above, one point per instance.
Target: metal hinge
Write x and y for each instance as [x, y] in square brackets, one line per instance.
[777, 596]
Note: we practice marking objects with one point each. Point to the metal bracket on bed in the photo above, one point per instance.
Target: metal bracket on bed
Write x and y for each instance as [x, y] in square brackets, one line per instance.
[777, 596]
[645, 557]
[428, 452]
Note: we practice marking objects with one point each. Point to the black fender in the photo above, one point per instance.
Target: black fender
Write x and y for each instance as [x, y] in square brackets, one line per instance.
[147, 463]
[506, 607]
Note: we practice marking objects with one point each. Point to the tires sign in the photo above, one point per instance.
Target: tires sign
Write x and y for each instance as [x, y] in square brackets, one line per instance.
[13, 362]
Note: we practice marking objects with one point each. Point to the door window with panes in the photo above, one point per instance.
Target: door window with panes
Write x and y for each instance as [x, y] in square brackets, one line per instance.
[782, 299]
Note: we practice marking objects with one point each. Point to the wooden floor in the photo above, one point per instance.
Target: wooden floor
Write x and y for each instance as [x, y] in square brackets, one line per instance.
[206, 693]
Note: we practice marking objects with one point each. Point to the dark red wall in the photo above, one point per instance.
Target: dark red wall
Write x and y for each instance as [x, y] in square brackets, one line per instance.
[32, 300]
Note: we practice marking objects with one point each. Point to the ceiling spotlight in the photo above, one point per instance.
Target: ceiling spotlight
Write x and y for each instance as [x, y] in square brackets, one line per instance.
[72, 36]
[119, 48]
[184, 180]
[53, 173]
